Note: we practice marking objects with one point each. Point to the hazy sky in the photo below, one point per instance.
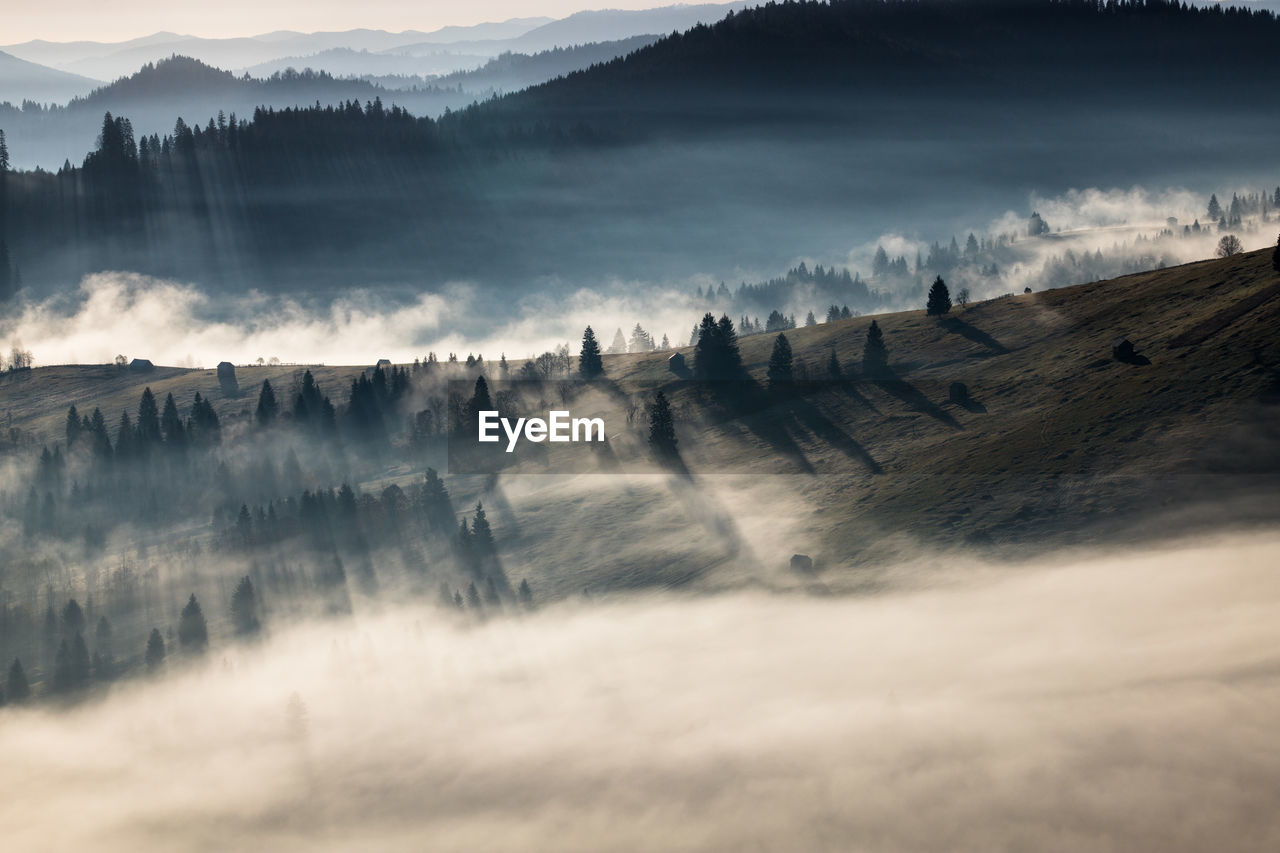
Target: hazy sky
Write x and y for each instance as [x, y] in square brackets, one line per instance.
[93, 20]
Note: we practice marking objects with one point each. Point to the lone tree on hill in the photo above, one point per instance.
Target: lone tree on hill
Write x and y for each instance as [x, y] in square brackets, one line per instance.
[780, 362]
[939, 299]
[1229, 245]
[875, 356]
[662, 428]
[1275, 256]
[590, 365]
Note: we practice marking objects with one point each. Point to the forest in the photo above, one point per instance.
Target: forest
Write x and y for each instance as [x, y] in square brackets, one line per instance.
[304, 198]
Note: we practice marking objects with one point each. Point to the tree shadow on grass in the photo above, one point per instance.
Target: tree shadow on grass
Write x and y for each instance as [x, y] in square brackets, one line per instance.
[956, 326]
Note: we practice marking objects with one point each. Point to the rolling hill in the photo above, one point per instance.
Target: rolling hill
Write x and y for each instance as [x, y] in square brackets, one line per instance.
[1059, 444]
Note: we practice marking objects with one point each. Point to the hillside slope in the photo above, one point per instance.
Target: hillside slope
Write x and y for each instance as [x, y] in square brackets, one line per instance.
[1060, 445]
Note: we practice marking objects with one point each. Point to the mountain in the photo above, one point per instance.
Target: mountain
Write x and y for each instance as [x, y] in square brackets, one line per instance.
[21, 81]
[512, 71]
[344, 62]
[107, 61]
[787, 131]
[590, 26]
[154, 97]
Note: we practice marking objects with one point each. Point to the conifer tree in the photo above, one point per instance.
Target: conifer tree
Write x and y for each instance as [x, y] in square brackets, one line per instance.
[939, 301]
[1215, 209]
[73, 427]
[875, 356]
[148, 427]
[155, 651]
[103, 651]
[193, 633]
[171, 423]
[525, 594]
[16, 687]
[833, 365]
[780, 366]
[72, 617]
[244, 608]
[1275, 256]
[662, 428]
[481, 534]
[267, 406]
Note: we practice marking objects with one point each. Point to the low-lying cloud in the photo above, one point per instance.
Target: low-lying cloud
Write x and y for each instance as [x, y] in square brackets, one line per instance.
[1111, 704]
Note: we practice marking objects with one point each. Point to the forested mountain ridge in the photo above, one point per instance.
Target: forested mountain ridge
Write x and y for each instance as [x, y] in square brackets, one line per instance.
[852, 106]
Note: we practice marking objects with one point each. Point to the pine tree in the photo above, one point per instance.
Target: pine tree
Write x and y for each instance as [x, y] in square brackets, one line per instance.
[481, 534]
[73, 427]
[148, 427]
[480, 400]
[267, 407]
[1275, 256]
[1215, 209]
[525, 594]
[780, 364]
[72, 617]
[810, 320]
[155, 651]
[16, 686]
[103, 651]
[193, 633]
[171, 423]
[875, 356]
[244, 608]
[590, 365]
[833, 365]
[619, 345]
[662, 428]
[473, 596]
[939, 302]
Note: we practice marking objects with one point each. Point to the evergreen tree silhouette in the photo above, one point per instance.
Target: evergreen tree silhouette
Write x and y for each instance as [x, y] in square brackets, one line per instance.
[148, 426]
[590, 364]
[155, 651]
[265, 415]
[939, 301]
[662, 428]
[780, 366]
[193, 633]
[875, 356]
[244, 608]
[16, 687]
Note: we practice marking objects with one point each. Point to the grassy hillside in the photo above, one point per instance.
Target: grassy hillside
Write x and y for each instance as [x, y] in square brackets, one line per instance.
[1060, 444]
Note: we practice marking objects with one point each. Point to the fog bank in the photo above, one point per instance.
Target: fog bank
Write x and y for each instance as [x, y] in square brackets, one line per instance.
[1118, 703]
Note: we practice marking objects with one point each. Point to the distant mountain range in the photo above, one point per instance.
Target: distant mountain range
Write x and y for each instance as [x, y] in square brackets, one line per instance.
[775, 134]
[409, 52]
[21, 80]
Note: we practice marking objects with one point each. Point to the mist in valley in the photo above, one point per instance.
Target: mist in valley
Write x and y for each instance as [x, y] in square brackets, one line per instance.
[1088, 235]
[1100, 703]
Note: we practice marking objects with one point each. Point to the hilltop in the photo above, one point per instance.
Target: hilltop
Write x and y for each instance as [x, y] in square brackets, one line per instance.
[1060, 444]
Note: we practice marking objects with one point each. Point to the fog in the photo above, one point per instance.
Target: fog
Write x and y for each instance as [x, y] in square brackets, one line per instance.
[184, 324]
[1120, 702]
